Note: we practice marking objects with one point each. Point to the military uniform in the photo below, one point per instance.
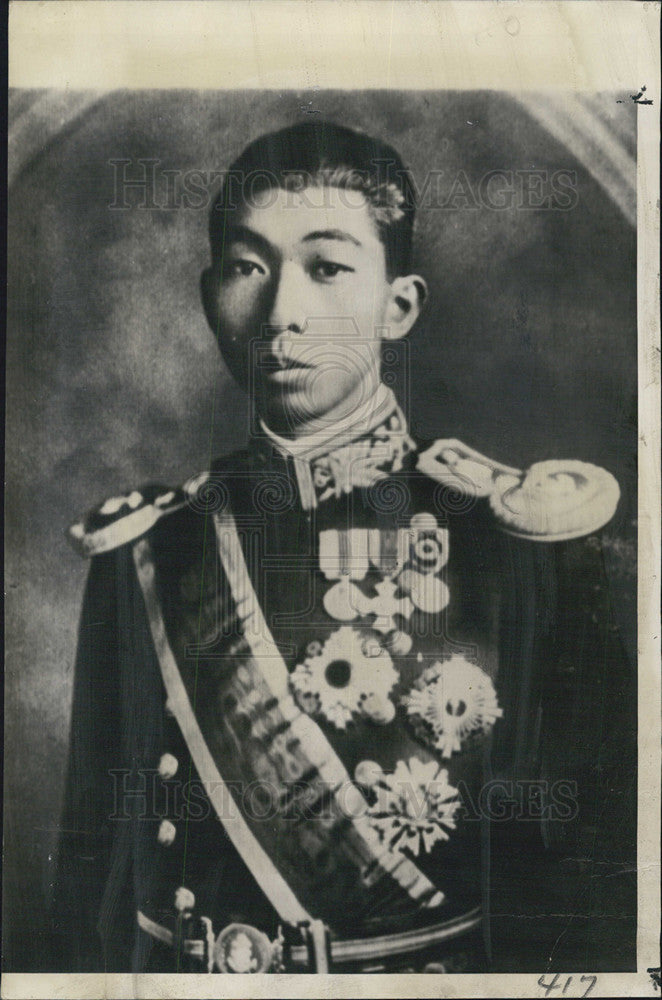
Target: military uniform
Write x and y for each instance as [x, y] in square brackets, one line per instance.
[296, 676]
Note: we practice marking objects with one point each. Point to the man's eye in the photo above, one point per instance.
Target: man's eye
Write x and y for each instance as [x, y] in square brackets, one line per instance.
[325, 270]
[242, 268]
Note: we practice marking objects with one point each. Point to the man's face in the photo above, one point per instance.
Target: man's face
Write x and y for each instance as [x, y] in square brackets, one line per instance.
[299, 304]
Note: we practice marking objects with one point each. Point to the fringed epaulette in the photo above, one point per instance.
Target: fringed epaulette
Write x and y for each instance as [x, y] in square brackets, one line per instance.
[125, 518]
[551, 501]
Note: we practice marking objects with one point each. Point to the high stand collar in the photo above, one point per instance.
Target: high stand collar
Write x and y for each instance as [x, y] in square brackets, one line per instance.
[356, 452]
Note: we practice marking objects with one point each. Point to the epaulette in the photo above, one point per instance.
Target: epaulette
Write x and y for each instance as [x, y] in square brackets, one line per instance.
[551, 501]
[125, 518]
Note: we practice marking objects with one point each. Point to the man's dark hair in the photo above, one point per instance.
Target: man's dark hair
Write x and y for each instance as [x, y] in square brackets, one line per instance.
[318, 154]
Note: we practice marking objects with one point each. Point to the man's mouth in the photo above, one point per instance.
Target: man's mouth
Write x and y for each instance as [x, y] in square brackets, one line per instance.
[277, 363]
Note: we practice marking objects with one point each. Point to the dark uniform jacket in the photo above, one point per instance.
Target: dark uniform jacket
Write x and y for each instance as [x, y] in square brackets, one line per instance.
[300, 681]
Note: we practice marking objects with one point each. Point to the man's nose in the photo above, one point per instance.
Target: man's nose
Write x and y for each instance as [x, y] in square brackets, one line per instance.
[288, 309]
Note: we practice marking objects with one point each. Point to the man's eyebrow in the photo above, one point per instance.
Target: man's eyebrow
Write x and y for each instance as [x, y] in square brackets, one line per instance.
[331, 234]
[245, 234]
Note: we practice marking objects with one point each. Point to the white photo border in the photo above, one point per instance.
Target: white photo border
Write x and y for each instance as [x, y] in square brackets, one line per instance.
[404, 45]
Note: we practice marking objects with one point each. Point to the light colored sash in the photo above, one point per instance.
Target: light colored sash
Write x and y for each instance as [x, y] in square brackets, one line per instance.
[257, 860]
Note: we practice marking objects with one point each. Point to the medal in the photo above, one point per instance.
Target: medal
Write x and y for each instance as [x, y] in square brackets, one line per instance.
[344, 553]
[414, 806]
[427, 592]
[343, 556]
[342, 681]
[388, 549]
[428, 554]
[453, 699]
[385, 606]
[344, 601]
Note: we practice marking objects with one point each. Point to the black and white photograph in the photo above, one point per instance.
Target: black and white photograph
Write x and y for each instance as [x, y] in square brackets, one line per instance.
[330, 504]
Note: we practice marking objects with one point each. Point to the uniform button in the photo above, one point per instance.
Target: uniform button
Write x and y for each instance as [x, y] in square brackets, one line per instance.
[184, 899]
[168, 766]
[167, 833]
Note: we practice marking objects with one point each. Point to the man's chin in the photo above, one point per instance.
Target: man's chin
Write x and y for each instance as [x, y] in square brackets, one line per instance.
[293, 412]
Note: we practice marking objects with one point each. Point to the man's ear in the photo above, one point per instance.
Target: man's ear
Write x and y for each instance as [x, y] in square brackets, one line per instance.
[408, 295]
[209, 294]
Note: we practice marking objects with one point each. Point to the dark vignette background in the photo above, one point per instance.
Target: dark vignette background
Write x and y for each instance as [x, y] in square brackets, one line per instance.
[527, 351]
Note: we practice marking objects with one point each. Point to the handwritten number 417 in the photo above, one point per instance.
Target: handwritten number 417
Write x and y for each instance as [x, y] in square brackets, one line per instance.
[557, 983]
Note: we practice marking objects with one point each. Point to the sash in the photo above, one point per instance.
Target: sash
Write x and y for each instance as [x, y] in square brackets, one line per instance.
[273, 885]
[314, 851]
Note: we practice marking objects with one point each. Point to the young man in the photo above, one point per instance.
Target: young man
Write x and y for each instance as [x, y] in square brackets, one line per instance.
[298, 674]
